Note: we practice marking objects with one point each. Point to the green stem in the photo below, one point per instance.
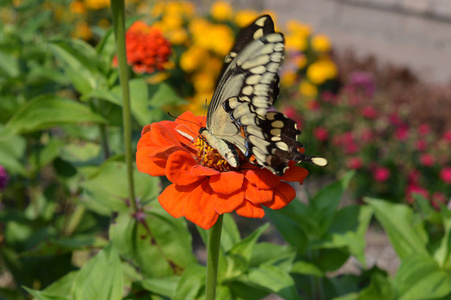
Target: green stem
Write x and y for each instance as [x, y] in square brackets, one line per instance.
[214, 241]
[118, 8]
[104, 141]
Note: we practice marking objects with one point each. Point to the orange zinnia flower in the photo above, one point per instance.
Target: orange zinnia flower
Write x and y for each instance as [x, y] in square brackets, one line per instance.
[147, 49]
[204, 185]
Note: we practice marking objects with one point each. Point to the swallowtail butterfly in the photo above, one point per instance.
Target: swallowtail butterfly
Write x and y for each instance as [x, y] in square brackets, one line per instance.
[238, 114]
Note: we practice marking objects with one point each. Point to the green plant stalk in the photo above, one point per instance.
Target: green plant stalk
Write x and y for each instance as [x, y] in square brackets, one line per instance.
[214, 242]
[118, 8]
[104, 141]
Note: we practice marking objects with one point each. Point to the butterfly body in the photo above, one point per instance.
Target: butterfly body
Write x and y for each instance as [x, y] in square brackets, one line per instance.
[238, 114]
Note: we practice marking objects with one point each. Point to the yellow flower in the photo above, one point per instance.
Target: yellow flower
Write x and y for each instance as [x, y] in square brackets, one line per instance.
[295, 42]
[157, 9]
[82, 31]
[158, 77]
[297, 27]
[320, 71]
[308, 89]
[300, 61]
[288, 78]
[104, 23]
[172, 21]
[177, 36]
[77, 7]
[174, 8]
[97, 4]
[191, 58]
[321, 43]
[198, 103]
[221, 11]
[203, 82]
[188, 8]
[245, 17]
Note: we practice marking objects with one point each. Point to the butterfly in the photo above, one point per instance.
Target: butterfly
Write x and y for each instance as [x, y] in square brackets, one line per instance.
[238, 116]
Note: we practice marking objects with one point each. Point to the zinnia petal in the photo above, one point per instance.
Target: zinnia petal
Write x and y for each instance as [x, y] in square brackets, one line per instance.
[250, 210]
[295, 174]
[228, 203]
[173, 199]
[283, 195]
[178, 168]
[146, 164]
[257, 196]
[227, 182]
[199, 206]
[262, 178]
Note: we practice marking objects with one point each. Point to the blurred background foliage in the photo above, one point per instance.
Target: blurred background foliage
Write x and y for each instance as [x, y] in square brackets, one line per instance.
[63, 193]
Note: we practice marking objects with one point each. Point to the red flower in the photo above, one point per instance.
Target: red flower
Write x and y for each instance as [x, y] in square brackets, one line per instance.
[445, 175]
[427, 160]
[321, 134]
[438, 198]
[422, 145]
[354, 163]
[402, 133]
[147, 49]
[381, 174]
[369, 112]
[203, 184]
[424, 129]
[447, 136]
[415, 189]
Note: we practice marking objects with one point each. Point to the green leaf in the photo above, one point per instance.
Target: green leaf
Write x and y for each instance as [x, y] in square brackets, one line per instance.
[48, 111]
[41, 157]
[158, 245]
[245, 247]
[324, 204]
[268, 253]
[161, 286]
[397, 219]
[293, 224]
[348, 229]
[275, 280]
[9, 64]
[43, 296]
[108, 188]
[307, 268]
[443, 254]
[245, 289]
[420, 277]
[191, 283]
[63, 286]
[80, 63]
[11, 151]
[230, 234]
[101, 277]
[163, 94]
[80, 152]
[379, 288]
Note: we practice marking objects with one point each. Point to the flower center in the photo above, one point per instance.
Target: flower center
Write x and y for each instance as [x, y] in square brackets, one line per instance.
[209, 157]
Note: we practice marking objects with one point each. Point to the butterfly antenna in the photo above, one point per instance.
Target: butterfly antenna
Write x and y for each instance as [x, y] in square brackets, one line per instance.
[188, 121]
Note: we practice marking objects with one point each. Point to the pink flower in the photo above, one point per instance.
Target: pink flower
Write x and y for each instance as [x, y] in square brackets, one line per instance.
[363, 81]
[328, 97]
[447, 136]
[445, 175]
[424, 129]
[351, 148]
[381, 174]
[402, 133]
[366, 135]
[4, 178]
[395, 119]
[369, 112]
[321, 134]
[354, 163]
[422, 145]
[413, 177]
[438, 198]
[415, 189]
[427, 160]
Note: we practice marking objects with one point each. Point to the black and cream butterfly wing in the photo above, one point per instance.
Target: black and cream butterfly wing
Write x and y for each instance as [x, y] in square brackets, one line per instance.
[238, 113]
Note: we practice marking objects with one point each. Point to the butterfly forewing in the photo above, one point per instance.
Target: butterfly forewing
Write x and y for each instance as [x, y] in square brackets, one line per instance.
[238, 114]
